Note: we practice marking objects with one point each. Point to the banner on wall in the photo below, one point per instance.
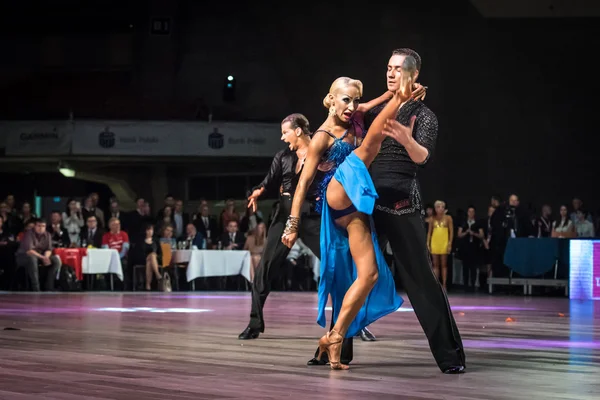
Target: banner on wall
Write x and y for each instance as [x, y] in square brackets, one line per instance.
[141, 138]
[228, 139]
[37, 138]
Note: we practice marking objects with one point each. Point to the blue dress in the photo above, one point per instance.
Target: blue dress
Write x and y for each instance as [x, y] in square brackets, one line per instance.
[338, 270]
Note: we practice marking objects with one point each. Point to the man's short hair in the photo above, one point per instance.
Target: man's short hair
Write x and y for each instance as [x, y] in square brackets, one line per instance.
[405, 51]
[297, 120]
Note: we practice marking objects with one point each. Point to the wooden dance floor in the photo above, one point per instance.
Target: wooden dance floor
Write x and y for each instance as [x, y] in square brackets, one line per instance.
[184, 346]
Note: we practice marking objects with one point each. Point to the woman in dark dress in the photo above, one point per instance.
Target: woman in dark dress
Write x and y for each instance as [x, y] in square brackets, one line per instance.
[150, 248]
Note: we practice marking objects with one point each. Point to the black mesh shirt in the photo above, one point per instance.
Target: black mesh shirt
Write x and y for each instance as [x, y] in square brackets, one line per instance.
[394, 173]
[282, 176]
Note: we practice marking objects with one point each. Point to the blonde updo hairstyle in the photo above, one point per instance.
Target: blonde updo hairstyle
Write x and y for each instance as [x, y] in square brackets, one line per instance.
[339, 84]
[439, 203]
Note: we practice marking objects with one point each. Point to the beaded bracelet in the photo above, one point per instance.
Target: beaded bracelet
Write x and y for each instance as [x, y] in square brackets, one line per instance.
[291, 226]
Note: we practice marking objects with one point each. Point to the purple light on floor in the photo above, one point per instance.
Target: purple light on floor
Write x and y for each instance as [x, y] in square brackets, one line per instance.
[490, 308]
[152, 310]
[41, 310]
[467, 308]
[194, 296]
[530, 344]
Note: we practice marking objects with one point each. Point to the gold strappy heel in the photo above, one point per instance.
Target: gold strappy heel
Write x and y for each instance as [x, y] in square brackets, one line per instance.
[331, 343]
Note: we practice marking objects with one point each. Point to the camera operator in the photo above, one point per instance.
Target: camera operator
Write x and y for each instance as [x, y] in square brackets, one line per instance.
[509, 220]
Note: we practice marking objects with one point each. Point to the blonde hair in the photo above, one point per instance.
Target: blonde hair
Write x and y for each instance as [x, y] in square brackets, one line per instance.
[339, 84]
[439, 203]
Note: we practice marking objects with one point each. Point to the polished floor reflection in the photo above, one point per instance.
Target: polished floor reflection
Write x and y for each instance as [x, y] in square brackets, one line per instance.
[185, 346]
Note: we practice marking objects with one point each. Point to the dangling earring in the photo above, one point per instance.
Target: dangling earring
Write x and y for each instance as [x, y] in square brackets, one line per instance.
[331, 111]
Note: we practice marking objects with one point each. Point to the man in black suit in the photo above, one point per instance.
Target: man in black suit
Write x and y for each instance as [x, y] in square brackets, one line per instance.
[60, 236]
[133, 223]
[207, 225]
[232, 239]
[91, 234]
[509, 220]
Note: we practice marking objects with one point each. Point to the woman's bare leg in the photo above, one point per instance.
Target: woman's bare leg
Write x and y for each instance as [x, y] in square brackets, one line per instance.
[361, 247]
[363, 254]
[148, 273]
[255, 261]
[436, 265]
[151, 268]
[444, 259]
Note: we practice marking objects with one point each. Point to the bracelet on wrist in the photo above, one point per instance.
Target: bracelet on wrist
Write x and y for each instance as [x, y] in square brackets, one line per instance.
[291, 225]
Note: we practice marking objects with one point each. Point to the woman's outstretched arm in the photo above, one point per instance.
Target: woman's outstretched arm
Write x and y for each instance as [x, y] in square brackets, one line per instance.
[372, 142]
[418, 93]
[317, 147]
[364, 107]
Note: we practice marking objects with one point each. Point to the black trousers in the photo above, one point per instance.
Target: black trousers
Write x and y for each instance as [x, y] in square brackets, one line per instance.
[407, 237]
[272, 263]
[470, 263]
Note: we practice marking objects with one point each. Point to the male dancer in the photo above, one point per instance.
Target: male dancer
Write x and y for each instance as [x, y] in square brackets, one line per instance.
[284, 173]
[398, 216]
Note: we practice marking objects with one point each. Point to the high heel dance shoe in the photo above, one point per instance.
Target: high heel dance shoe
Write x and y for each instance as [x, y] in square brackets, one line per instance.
[331, 343]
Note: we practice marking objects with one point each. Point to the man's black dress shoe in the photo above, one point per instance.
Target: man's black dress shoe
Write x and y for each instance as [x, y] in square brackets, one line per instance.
[457, 369]
[313, 361]
[366, 335]
[249, 333]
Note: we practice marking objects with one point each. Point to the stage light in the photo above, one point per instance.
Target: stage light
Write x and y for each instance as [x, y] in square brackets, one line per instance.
[69, 173]
[66, 170]
[229, 89]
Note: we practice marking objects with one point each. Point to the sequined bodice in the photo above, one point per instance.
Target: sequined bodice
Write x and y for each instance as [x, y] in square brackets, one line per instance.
[331, 160]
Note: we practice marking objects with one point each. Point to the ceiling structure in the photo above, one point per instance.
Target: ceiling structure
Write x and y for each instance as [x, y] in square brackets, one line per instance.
[537, 8]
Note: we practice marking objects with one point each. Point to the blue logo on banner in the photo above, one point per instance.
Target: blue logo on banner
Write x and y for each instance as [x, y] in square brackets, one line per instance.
[216, 140]
[106, 139]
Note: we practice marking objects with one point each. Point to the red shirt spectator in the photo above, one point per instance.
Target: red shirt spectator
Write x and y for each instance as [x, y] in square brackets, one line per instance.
[115, 240]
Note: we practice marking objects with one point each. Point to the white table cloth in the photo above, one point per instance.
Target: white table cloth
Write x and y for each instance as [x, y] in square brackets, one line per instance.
[205, 263]
[102, 261]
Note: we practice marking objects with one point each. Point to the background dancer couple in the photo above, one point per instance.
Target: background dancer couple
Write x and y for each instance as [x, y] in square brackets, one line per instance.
[334, 179]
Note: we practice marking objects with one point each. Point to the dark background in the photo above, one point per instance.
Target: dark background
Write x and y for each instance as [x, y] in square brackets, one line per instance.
[515, 98]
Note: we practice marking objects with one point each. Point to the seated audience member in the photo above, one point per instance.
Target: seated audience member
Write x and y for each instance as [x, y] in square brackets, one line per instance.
[5, 236]
[29, 226]
[563, 227]
[167, 236]
[116, 239]
[232, 239]
[35, 251]
[194, 238]
[151, 251]
[11, 225]
[583, 226]
[91, 234]
[60, 235]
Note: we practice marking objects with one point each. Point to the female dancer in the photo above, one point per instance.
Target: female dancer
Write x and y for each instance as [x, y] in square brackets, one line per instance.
[353, 268]
[439, 240]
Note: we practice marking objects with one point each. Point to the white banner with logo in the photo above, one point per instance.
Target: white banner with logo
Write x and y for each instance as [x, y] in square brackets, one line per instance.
[37, 138]
[141, 138]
